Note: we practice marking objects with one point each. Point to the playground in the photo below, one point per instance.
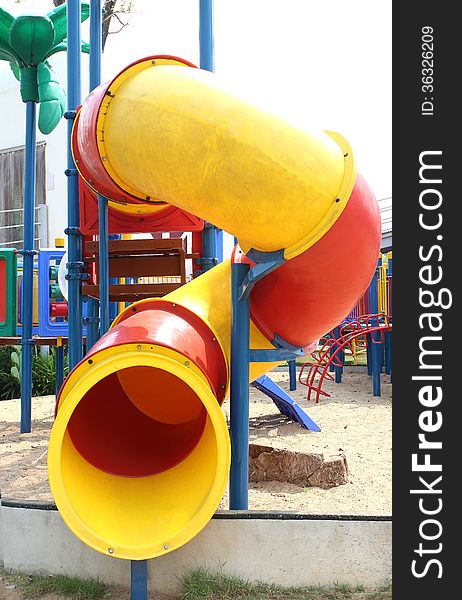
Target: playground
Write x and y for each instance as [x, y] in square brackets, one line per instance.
[204, 360]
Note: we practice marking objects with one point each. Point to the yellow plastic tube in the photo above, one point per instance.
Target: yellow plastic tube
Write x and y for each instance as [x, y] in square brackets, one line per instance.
[139, 453]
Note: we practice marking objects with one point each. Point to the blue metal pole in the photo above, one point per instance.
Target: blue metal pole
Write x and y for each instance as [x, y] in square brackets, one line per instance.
[212, 237]
[95, 80]
[96, 44]
[73, 216]
[375, 337]
[292, 375]
[92, 322]
[28, 268]
[338, 370]
[207, 54]
[139, 580]
[103, 265]
[113, 306]
[59, 366]
[239, 402]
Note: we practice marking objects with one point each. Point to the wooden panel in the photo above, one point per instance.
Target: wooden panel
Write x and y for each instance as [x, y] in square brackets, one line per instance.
[132, 293]
[134, 246]
[147, 266]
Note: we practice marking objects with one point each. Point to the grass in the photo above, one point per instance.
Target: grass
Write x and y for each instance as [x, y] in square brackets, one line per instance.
[73, 588]
[200, 584]
[203, 584]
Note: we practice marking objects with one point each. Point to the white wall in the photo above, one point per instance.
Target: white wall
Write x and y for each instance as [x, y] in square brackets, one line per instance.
[284, 552]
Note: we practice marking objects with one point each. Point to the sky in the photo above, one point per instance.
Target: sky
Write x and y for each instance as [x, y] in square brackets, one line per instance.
[326, 63]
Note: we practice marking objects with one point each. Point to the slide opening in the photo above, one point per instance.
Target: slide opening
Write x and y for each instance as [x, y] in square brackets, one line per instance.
[137, 422]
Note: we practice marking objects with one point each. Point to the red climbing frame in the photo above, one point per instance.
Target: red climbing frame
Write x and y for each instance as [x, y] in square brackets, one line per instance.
[332, 349]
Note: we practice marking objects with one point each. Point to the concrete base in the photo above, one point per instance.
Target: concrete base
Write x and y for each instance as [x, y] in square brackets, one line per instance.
[284, 549]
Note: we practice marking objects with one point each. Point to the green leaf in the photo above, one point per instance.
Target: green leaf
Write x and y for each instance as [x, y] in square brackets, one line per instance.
[59, 18]
[85, 47]
[6, 21]
[14, 67]
[61, 47]
[15, 358]
[52, 98]
[15, 373]
[32, 37]
[7, 53]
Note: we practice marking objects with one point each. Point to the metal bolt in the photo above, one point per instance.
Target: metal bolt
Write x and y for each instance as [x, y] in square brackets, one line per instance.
[90, 362]
[173, 305]
[138, 347]
[337, 199]
[214, 339]
[76, 161]
[165, 546]
[153, 62]
[103, 158]
[110, 550]
[186, 363]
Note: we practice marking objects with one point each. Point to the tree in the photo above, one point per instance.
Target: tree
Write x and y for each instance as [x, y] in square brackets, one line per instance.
[112, 10]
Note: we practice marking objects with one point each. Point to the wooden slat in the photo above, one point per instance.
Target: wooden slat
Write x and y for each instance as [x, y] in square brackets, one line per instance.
[124, 292]
[135, 246]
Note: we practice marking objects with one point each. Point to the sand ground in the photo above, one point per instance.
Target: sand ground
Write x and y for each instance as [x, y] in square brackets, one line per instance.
[352, 422]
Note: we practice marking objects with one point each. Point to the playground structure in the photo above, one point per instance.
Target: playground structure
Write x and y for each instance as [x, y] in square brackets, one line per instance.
[140, 453]
[367, 329]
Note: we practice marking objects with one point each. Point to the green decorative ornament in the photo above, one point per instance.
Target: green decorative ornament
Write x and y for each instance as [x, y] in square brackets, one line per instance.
[26, 43]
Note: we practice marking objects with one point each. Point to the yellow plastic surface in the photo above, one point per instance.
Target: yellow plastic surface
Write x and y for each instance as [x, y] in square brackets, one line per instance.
[177, 135]
[138, 517]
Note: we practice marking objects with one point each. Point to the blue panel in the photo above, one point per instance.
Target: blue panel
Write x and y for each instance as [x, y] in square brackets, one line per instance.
[286, 405]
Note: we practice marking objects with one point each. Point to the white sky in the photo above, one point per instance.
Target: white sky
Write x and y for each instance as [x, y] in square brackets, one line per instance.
[322, 62]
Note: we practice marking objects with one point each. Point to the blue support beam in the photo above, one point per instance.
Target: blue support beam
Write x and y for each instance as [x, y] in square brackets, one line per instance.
[376, 366]
[92, 322]
[59, 366]
[339, 358]
[105, 318]
[239, 402]
[95, 80]
[73, 216]
[292, 375]
[113, 306]
[212, 237]
[139, 580]
[96, 44]
[28, 267]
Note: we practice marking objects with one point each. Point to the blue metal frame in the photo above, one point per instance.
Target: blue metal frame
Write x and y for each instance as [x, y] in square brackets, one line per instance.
[292, 375]
[239, 400]
[139, 580]
[59, 366]
[241, 356]
[74, 237]
[28, 267]
[376, 363]
[212, 237]
[105, 319]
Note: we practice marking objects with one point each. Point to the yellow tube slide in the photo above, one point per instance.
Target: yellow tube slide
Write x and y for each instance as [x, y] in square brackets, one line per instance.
[139, 453]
